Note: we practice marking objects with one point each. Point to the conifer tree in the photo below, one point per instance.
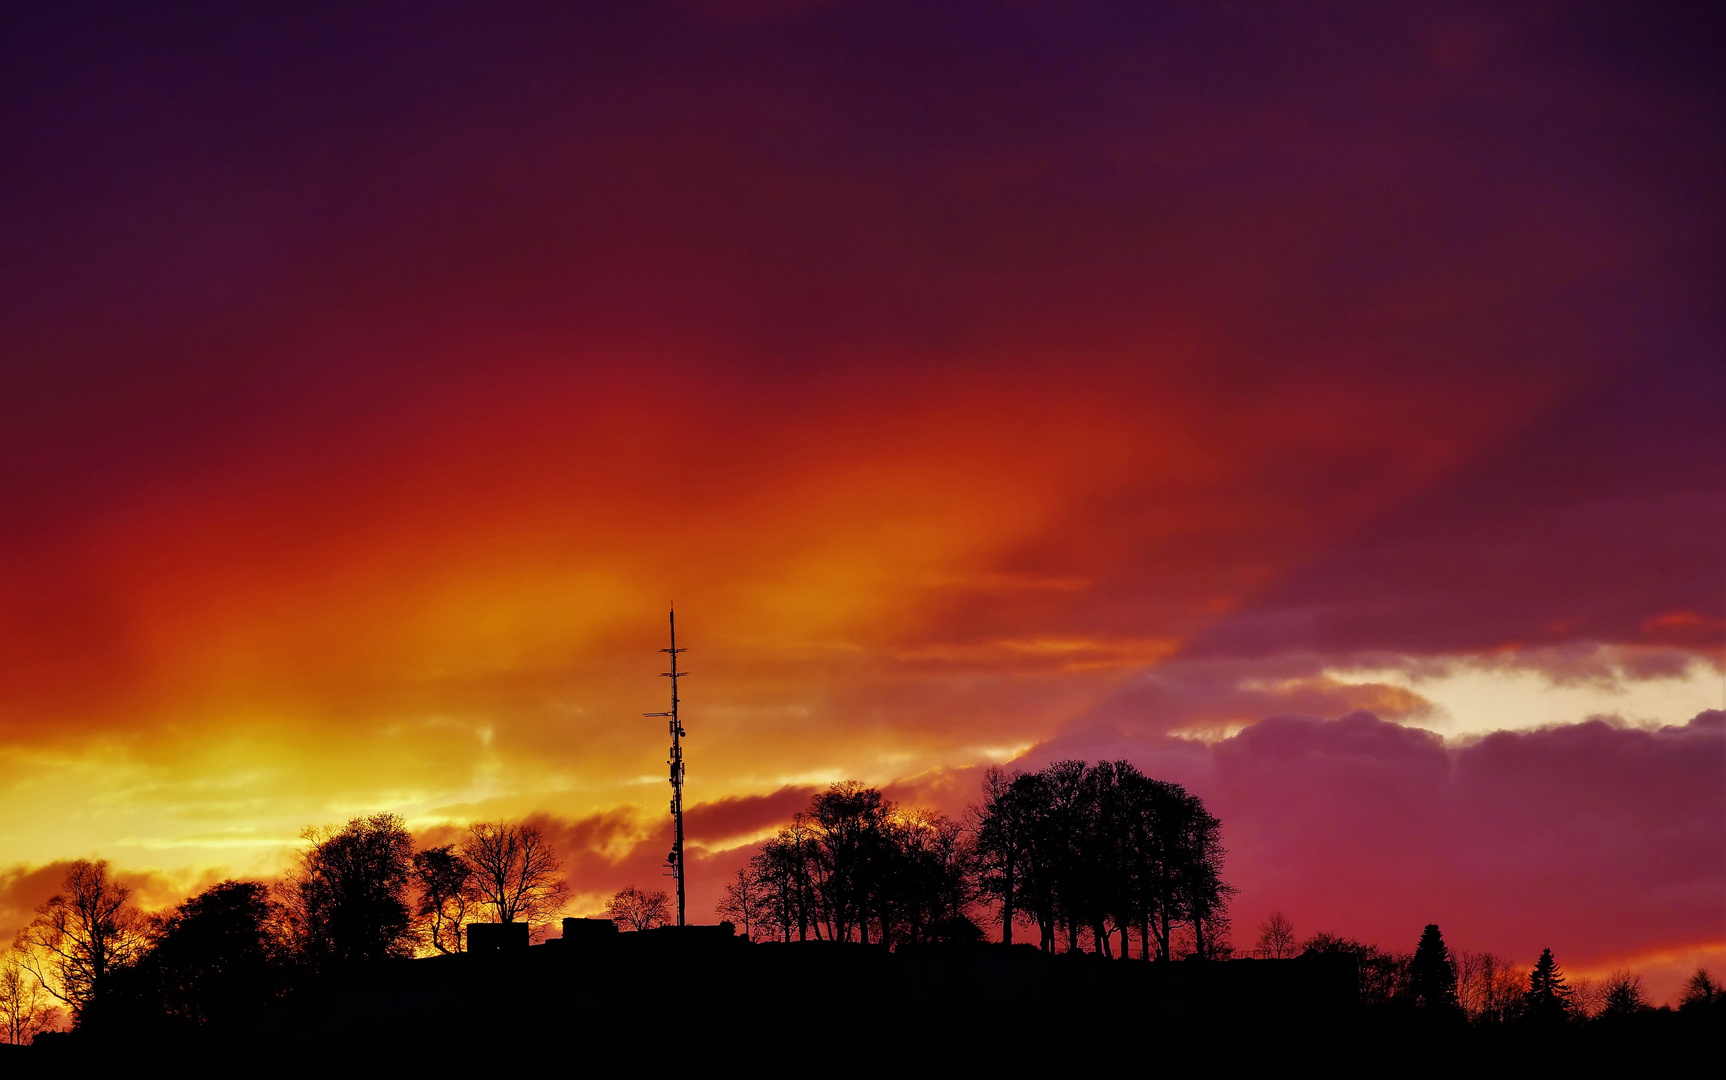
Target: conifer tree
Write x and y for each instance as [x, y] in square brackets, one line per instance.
[1548, 996]
[1432, 973]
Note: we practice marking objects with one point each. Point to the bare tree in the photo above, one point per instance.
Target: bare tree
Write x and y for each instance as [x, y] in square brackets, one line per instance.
[82, 935]
[786, 869]
[638, 908]
[514, 871]
[1277, 938]
[24, 1005]
[446, 895]
[1489, 987]
[746, 903]
[1587, 998]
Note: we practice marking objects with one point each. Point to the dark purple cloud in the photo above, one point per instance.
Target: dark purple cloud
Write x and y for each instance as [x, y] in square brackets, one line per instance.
[1599, 841]
[1600, 523]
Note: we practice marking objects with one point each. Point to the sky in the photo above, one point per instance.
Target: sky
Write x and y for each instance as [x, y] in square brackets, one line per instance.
[1316, 405]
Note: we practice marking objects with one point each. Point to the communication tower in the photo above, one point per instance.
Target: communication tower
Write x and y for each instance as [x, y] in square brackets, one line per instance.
[674, 861]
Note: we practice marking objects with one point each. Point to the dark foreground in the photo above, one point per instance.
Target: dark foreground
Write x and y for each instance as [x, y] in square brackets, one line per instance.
[689, 1001]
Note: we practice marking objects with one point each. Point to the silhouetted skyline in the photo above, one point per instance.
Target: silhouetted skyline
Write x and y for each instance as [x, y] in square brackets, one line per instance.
[1316, 408]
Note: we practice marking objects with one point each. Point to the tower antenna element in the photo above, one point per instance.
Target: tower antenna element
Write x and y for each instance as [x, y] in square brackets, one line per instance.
[674, 861]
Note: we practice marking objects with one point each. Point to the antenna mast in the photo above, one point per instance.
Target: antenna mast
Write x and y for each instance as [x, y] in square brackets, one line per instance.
[675, 859]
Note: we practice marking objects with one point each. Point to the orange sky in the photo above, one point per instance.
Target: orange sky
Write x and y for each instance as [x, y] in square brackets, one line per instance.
[976, 389]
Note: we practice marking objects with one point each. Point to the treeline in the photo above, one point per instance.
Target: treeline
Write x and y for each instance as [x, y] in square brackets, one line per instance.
[855, 867]
[357, 893]
[1482, 988]
[1098, 854]
[1092, 858]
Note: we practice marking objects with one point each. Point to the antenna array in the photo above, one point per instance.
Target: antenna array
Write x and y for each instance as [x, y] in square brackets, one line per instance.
[674, 861]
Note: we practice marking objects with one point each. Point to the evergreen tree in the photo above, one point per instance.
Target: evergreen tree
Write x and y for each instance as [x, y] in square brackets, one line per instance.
[1432, 973]
[1548, 998]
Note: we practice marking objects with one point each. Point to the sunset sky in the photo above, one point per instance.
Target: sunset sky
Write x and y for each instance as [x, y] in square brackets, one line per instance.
[1318, 405]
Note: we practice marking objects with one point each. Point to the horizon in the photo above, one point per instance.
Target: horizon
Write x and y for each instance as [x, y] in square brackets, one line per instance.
[1316, 409]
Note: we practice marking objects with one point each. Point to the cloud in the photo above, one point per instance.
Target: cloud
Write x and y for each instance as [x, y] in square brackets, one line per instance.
[723, 822]
[1216, 695]
[603, 852]
[1598, 840]
[23, 888]
[1209, 695]
[1573, 532]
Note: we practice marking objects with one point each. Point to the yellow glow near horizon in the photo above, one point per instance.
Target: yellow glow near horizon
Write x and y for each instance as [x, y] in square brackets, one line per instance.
[1471, 698]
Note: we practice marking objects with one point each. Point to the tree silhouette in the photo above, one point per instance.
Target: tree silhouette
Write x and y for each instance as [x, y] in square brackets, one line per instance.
[82, 936]
[1701, 992]
[784, 868]
[217, 956]
[849, 821]
[1099, 851]
[447, 893]
[1159, 852]
[1624, 996]
[1383, 975]
[1043, 859]
[1202, 891]
[1001, 826]
[925, 877]
[1548, 997]
[746, 903]
[1091, 851]
[640, 909]
[347, 899]
[1107, 853]
[1489, 987]
[24, 1004]
[514, 871]
[1432, 973]
[1065, 820]
[1277, 937]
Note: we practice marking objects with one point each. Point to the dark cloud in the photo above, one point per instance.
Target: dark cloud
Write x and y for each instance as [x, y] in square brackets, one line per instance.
[601, 853]
[1210, 695]
[726, 820]
[23, 888]
[1600, 523]
[1599, 840]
